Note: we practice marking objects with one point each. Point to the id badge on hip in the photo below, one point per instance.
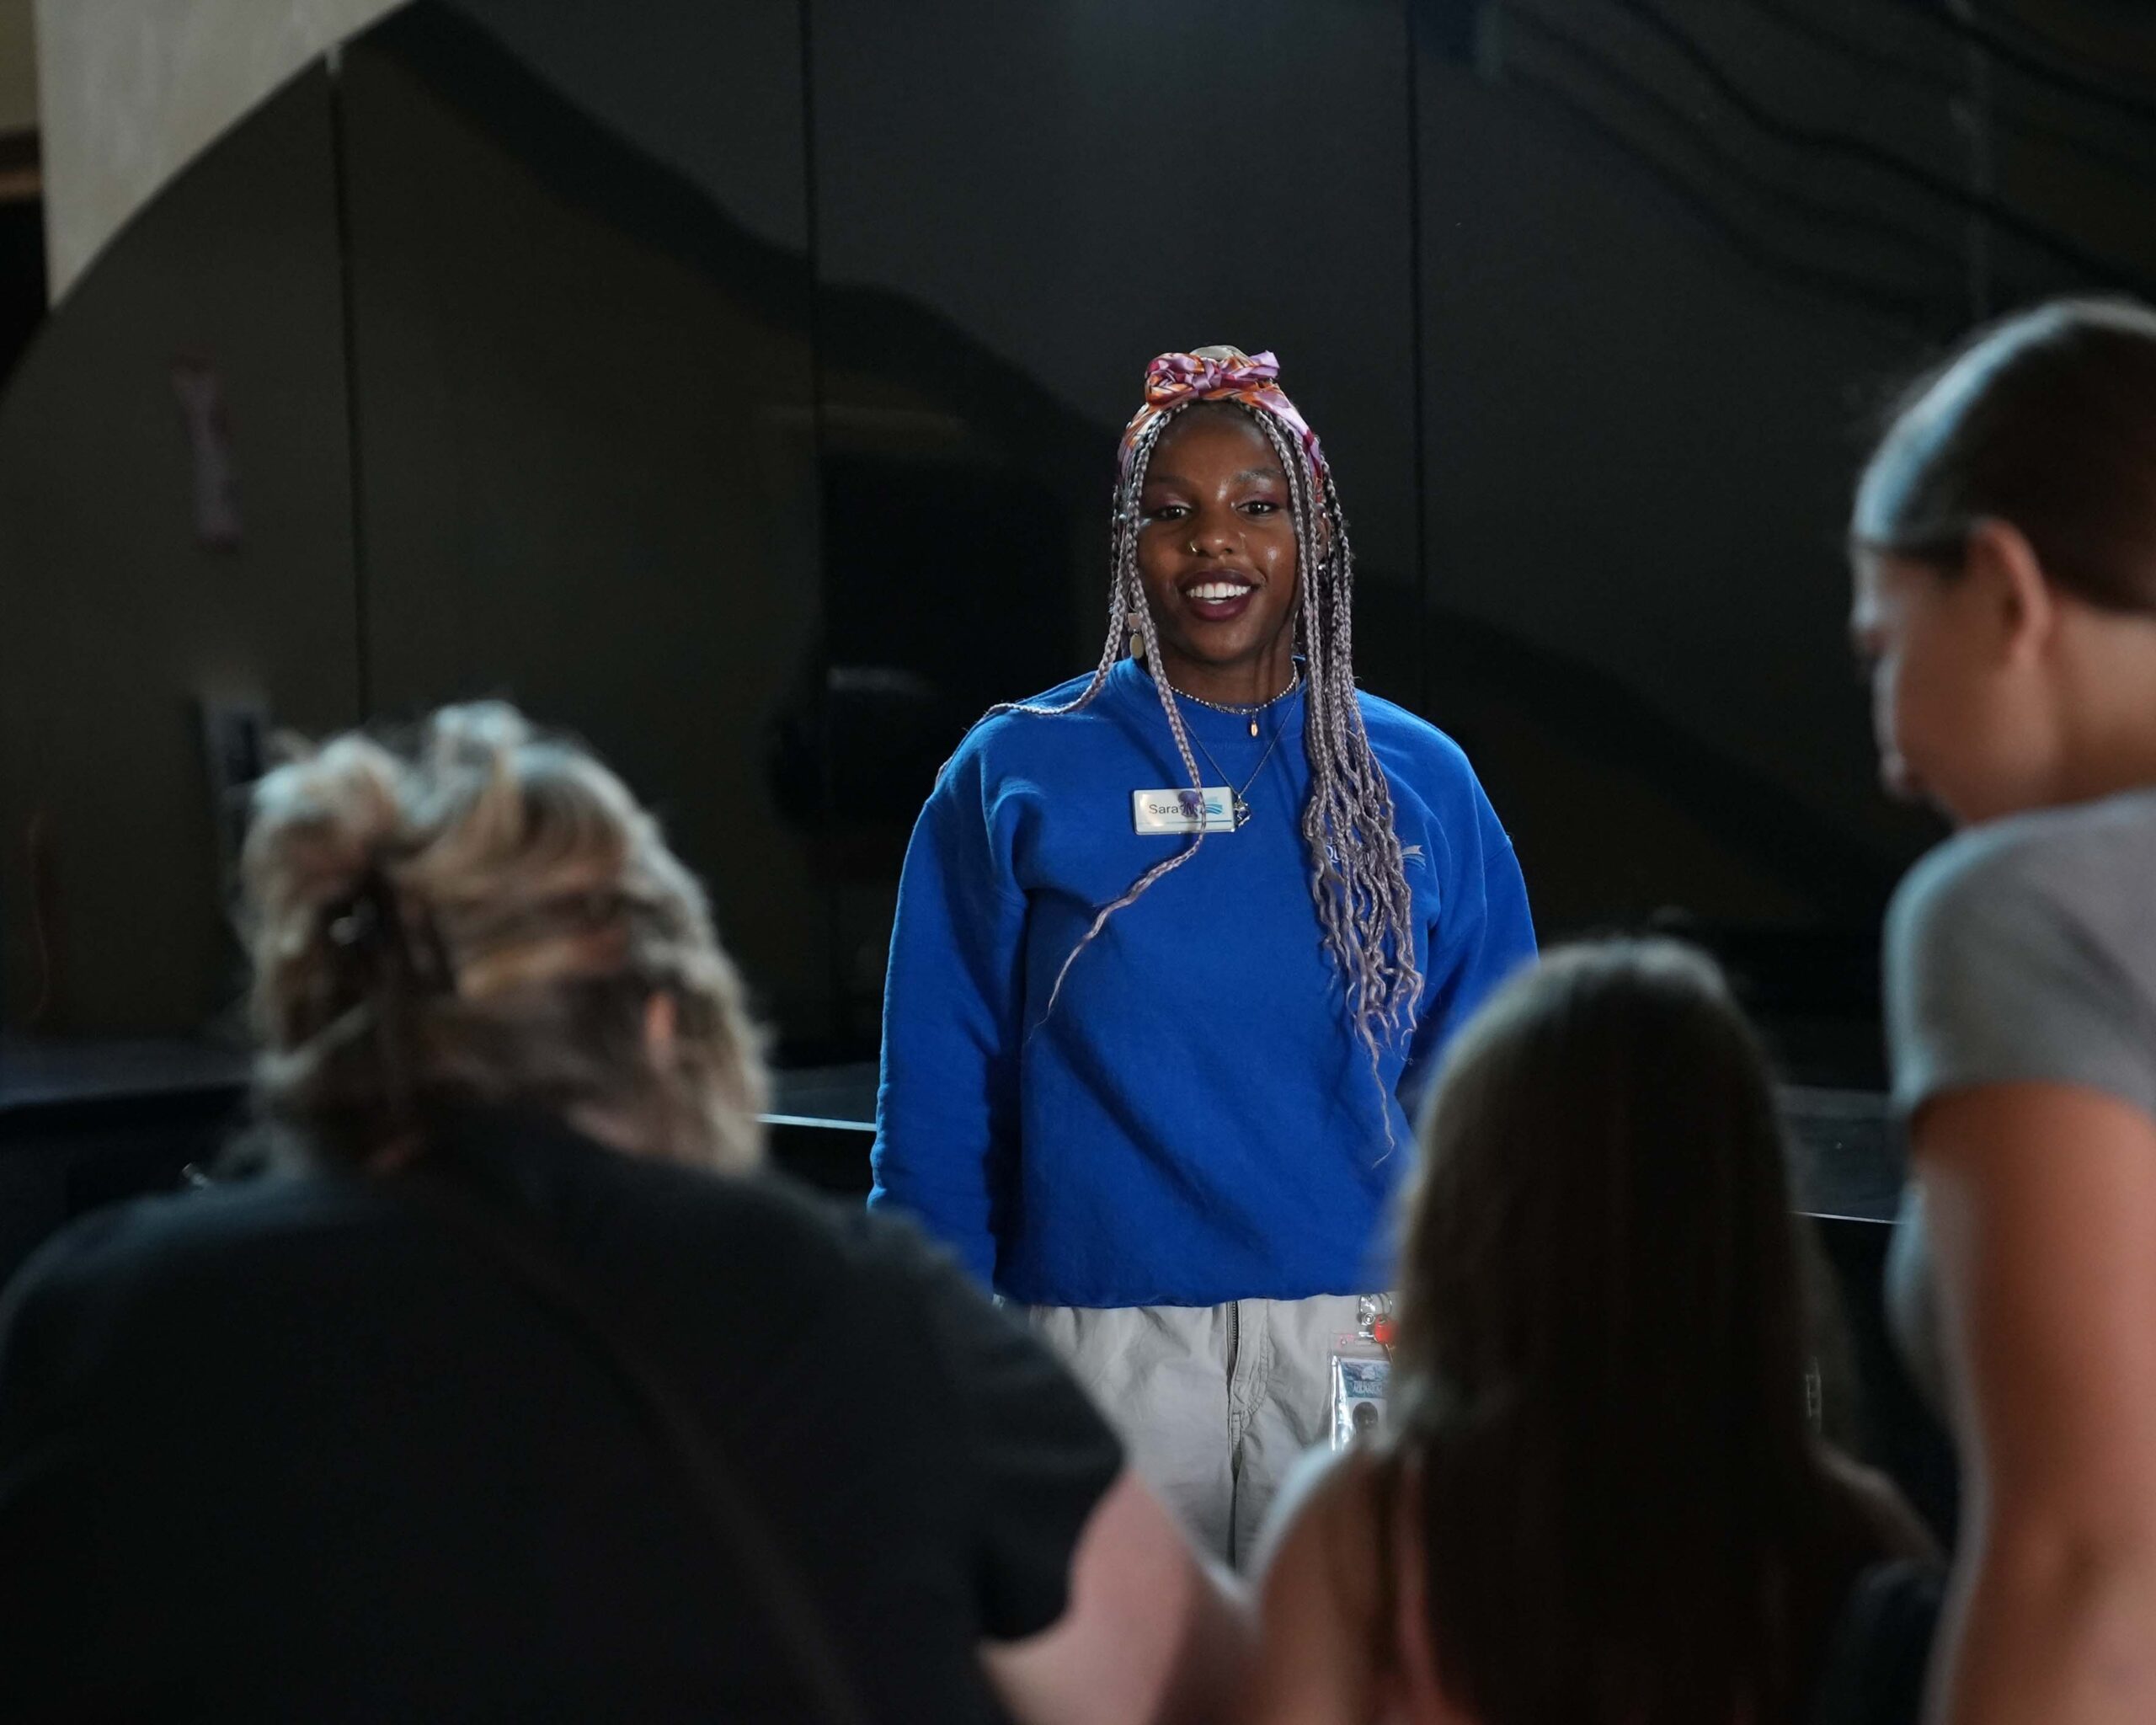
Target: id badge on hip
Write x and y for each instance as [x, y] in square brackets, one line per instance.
[1362, 1371]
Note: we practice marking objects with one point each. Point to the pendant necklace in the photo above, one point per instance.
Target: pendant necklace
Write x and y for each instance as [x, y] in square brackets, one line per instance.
[1239, 808]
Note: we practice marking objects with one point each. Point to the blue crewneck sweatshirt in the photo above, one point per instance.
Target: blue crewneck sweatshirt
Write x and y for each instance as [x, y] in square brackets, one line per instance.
[1196, 1122]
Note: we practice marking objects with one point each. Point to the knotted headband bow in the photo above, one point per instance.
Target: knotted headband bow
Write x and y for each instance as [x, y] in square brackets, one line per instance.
[1220, 374]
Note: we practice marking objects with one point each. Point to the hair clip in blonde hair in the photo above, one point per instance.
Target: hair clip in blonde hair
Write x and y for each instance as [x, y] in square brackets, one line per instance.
[353, 925]
[364, 916]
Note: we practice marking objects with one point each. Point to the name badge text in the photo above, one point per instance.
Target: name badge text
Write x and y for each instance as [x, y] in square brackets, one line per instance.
[1185, 810]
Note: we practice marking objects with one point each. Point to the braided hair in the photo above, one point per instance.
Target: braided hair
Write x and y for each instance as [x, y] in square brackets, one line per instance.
[1358, 880]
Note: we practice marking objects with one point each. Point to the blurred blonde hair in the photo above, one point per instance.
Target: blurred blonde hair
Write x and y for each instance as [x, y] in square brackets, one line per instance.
[485, 916]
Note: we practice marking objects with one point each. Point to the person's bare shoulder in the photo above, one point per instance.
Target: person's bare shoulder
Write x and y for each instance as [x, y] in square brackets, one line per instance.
[1329, 1504]
[1320, 1590]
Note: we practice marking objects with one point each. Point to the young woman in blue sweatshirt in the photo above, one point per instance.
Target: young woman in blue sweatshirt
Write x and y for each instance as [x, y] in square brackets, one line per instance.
[1175, 946]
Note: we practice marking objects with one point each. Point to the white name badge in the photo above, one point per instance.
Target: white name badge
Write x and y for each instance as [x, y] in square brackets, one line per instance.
[1211, 811]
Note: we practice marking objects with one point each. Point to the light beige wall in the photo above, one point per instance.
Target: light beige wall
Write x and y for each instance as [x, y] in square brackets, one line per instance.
[131, 90]
[17, 67]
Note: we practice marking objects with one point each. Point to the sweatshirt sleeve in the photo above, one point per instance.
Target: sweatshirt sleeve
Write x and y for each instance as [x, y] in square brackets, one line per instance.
[1483, 933]
[947, 1112]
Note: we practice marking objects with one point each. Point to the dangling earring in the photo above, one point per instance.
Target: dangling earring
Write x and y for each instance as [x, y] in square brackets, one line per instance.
[1136, 625]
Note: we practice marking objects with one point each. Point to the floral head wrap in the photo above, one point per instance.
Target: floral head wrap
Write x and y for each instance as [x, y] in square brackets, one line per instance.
[1220, 373]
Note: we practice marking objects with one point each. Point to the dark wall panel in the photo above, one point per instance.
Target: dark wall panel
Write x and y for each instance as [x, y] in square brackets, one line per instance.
[1069, 190]
[586, 468]
[738, 385]
[1672, 252]
[154, 556]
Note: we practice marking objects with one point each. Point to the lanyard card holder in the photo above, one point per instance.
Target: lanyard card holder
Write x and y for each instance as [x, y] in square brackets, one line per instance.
[1362, 1371]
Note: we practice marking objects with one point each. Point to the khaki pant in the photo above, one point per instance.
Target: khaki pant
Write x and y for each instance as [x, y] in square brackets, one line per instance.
[1216, 1402]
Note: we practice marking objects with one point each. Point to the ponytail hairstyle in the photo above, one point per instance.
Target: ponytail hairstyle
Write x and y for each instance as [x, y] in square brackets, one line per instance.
[486, 917]
[2045, 420]
[1358, 880]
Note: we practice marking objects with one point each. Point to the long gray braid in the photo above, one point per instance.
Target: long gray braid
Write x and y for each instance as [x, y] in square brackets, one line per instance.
[1358, 879]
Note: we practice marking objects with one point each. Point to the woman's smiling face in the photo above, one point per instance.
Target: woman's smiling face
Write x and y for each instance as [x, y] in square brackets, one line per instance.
[1217, 554]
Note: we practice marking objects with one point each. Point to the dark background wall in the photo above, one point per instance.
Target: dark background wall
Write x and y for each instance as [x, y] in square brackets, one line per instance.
[738, 386]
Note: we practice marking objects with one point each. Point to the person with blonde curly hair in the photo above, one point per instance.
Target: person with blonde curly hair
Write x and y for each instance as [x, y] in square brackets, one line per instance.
[511, 1391]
